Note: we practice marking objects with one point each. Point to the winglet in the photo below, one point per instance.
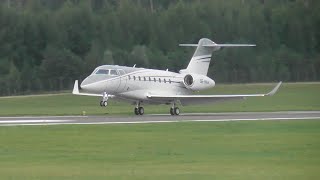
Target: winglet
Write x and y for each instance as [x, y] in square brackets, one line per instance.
[75, 87]
[274, 90]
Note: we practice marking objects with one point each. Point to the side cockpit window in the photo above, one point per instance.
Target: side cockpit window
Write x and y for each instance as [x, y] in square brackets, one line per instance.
[113, 72]
[103, 71]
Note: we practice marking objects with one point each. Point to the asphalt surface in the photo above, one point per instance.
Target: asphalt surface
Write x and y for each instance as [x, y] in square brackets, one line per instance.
[159, 118]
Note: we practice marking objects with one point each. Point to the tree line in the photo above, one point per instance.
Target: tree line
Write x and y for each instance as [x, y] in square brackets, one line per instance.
[46, 44]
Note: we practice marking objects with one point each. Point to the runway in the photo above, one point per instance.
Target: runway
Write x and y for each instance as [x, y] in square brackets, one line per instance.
[159, 118]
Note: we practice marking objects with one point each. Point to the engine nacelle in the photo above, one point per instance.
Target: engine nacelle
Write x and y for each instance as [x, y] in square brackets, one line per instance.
[197, 82]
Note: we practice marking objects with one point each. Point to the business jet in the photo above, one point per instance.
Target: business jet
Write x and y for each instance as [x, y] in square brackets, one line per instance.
[150, 86]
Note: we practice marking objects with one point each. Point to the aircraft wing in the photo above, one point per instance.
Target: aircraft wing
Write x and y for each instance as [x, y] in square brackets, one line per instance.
[192, 99]
[75, 91]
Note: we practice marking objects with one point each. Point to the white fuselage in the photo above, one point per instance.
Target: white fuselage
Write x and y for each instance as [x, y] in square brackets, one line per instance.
[137, 83]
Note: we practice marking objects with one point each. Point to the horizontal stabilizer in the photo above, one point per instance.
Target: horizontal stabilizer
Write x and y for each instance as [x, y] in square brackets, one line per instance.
[189, 45]
[229, 45]
[218, 45]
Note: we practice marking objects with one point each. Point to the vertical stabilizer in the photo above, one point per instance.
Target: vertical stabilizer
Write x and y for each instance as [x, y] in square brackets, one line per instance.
[200, 61]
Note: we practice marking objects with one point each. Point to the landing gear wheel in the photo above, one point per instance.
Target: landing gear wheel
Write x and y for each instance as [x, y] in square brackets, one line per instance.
[104, 100]
[176, 111]
[136, 111]
[172, 111]
[141, 110]
[103, 103]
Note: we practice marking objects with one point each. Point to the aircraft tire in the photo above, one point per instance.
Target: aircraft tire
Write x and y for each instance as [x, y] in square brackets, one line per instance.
[105, 103]
[171, 111]
[176, 111]
[136, 111]
[101, 103]
[141, 110]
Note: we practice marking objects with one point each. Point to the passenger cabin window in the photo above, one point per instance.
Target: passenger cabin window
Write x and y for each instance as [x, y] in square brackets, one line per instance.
[164, 80]
[144, 78]
[113, 72]
[154, 80]
[134, 78]
[129, 77]
[159, 80]
[149, 78]
[102, 71]
[170, 81]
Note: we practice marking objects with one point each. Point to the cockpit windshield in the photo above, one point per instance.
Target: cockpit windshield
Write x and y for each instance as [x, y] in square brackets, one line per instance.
[103, 71]
[111, 72]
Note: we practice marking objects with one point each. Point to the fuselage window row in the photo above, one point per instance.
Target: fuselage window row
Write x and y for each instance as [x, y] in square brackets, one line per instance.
[148, 79]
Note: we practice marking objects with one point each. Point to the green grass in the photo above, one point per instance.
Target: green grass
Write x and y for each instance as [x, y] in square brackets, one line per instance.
[220, 150]
[292, 96]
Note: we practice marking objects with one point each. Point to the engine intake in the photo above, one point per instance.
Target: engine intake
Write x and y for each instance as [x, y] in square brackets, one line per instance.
[197, 82]
[188, 80]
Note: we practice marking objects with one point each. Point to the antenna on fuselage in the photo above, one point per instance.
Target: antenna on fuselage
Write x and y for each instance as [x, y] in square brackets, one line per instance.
[134, 65]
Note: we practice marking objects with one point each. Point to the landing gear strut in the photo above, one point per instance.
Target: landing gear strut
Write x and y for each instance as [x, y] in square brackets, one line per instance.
[104, 101]
[138, 110]
[174, 110]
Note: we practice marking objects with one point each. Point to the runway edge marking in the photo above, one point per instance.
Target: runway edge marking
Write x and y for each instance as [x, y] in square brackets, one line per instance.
[33, 121]
[164, 121]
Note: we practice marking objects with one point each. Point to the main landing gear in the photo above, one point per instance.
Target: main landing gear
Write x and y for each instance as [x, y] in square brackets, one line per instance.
[138, 110]
[174, 110]
[104, 101]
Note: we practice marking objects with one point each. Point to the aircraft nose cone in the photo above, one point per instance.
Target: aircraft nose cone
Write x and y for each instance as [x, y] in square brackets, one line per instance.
[83, 83]
[93, 84]
[86, 84]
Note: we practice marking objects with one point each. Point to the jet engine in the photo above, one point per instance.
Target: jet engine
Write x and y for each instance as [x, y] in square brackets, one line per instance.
[197, 82]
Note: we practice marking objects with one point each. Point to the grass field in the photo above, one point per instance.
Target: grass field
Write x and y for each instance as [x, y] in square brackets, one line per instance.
[291, 96]
[219, 150]
[216, 150]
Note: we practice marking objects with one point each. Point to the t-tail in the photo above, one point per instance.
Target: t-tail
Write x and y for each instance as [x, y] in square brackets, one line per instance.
[200, 61]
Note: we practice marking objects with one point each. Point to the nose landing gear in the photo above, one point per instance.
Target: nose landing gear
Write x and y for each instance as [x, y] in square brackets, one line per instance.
[104, 101]
[138, 110]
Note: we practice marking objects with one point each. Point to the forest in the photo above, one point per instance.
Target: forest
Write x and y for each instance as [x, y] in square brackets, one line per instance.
[47, 44]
